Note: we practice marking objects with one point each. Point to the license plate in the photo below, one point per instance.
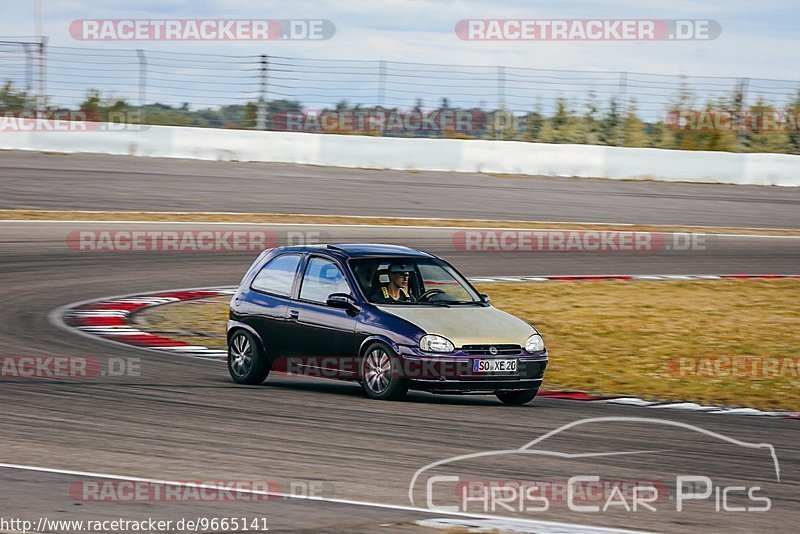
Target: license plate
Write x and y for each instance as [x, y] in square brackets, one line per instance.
[494, 366]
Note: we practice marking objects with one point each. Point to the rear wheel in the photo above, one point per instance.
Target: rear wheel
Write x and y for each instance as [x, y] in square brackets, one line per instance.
[517, 398]
[380, 374]
[247, 362]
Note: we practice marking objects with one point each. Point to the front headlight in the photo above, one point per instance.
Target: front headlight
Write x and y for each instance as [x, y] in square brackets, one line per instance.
[434, 343]
[535, 343]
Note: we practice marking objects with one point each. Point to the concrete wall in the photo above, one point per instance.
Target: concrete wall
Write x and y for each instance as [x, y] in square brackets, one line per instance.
[507, 157]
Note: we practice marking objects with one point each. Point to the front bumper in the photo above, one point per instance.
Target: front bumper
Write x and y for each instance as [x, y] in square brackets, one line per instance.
[453, 373]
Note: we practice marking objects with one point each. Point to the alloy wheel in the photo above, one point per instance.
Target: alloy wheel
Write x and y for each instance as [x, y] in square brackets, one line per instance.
[377, 371]
[241, 355]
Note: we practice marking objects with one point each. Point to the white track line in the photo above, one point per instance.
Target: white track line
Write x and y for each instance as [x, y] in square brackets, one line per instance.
[631, 277]
[534, 524]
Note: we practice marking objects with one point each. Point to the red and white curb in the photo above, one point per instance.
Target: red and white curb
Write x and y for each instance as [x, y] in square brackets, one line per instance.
[110, 319]
[655, 277]
[635, 401]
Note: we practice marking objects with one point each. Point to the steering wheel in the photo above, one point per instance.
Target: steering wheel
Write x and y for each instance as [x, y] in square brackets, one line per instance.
[425, 297]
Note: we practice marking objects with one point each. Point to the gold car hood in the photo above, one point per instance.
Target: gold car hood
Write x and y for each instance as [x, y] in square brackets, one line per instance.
[466, 325]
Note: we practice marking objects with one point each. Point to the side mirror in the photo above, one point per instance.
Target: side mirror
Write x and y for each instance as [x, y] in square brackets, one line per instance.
[485, 298]
[342, 301]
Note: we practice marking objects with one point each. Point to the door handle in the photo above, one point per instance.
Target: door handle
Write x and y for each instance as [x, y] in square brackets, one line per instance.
[294, 314]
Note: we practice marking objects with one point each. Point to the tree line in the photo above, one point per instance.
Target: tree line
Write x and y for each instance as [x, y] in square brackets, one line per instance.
[593, 123]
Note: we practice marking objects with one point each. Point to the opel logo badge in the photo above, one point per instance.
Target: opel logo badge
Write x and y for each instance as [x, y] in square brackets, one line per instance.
[493, 351]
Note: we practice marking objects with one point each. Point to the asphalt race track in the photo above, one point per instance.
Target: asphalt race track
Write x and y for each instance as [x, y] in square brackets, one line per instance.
[92, 182]
[183, 419]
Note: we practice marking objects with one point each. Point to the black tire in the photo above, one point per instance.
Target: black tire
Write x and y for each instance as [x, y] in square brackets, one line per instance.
[247, 362]
[386, 384]
[517, 398]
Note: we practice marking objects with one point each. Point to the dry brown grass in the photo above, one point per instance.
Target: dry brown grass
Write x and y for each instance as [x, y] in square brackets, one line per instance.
[621, 337]
[300, 218]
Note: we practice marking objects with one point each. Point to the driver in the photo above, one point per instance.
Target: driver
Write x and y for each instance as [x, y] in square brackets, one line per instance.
[395, 290]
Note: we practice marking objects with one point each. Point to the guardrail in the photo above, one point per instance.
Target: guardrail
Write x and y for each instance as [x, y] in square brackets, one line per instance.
[501, 157]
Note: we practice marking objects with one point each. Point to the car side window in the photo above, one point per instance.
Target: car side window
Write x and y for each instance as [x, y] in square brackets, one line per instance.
[322, 277]
[277, 276]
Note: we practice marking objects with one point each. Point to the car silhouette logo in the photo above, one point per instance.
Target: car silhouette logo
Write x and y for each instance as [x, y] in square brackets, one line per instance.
[528, 448]
[493, 351]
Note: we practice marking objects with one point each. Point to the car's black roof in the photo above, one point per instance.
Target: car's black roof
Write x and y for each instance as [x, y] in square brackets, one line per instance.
[374, 249]
[359, 250]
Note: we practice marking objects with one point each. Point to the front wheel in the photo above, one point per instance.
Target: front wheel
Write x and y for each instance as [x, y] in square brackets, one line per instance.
[380, 374]
[517, 398]
[247, 362]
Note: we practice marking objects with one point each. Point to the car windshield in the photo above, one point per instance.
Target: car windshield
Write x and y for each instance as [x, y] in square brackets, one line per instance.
[425, 281]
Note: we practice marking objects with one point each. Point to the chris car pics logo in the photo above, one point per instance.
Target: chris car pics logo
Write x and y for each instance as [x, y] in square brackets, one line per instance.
[444, 486]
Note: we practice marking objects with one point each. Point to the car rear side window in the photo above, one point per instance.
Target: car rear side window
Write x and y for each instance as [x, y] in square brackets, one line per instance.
[321, 279]
[277, 276]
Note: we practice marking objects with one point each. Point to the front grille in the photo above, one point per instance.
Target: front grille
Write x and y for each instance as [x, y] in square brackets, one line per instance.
[483, 350]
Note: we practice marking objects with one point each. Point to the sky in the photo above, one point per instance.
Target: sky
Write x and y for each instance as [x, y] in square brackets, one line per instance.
[758, 39]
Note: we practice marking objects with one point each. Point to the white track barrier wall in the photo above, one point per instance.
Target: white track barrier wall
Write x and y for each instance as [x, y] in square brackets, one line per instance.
[503, 157]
